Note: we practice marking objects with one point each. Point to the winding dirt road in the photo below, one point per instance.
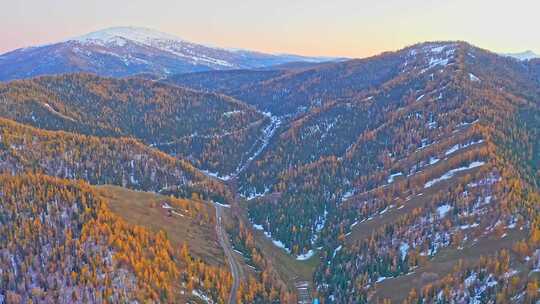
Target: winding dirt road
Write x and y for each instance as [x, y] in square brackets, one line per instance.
[236, 270]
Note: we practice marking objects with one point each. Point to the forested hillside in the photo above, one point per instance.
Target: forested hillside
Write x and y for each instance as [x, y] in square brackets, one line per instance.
[213, 131]
[128, 163]
[446, 132]
[61, 244]
[351, 145]
[118, 161]
[225, 82]
[454, 122]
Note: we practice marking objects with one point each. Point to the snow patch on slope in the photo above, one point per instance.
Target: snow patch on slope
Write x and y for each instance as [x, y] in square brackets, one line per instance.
[473, 77]
[452, 172]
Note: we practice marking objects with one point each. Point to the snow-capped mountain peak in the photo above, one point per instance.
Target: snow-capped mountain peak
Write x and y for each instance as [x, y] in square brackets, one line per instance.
[126, 51]
[118, 35]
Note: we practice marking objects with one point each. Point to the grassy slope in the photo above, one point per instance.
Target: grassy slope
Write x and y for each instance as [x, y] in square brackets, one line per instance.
[145, 209]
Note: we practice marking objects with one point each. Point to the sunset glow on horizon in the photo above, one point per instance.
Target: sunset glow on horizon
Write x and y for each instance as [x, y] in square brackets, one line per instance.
[349, 28]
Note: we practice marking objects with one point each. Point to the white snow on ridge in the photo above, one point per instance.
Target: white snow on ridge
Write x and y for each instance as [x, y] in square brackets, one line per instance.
[305, 256]
[231, 113]
[202, 296]
[254, 195]
[443, 210]
[216, 175]
[452, 149]
[470, 279]
[321, 221]
[433, 160]
[222, 205]
[438, 54]
[380, 279]
[467, 226]
[347, 195]
[48, 106]
[118, 34]
[473, 77]
[489, 180]
[523, 56]
[452, 172]
[185, 49]
[433, 62]
[393, 176]
[268, 133]
[437, 49]
[464, 123]
[457, 147]
[336, 251]
[404, 249]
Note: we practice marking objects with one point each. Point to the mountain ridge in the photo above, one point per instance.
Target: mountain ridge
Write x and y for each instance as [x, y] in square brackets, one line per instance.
[365, 172]
[126, 51]
[177, 120]
[525, 55]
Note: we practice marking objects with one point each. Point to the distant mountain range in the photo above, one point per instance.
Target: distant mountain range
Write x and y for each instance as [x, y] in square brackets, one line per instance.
[126, 51]
[527, 55]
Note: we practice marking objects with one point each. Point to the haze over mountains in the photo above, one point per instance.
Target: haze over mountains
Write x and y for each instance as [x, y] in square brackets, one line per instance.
[411, 176]
[125, 51]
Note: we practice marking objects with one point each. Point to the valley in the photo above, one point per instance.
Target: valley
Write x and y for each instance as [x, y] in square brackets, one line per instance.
[406, 177]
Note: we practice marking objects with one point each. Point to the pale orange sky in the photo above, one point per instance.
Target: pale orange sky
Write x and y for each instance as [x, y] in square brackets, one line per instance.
[352, 28]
